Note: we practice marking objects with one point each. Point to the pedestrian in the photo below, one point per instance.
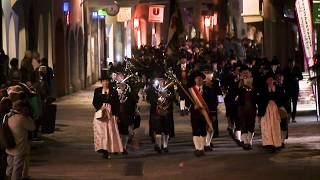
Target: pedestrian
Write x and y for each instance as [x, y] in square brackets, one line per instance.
[35, 60]
[271, 100]
[293, 75]
[14, 72]
[27, 69]
[19, 123]
[106, 134]
[5, 107]
[4, 68]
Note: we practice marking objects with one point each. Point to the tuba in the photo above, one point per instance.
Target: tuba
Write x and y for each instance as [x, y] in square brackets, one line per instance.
[163, 102]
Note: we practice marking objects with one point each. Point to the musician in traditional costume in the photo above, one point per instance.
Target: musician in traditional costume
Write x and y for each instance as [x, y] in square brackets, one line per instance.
[152, 99]
[182, 71]
[106, 135]
[211, 90]
[285, 109]
[126, 113]
[270, 102]
[164, 113]
[247, 101]
[230, 84]
[200, 114]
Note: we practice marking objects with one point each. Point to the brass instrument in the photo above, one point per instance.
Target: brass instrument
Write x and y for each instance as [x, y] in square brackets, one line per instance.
[163, 103]
[175, 81]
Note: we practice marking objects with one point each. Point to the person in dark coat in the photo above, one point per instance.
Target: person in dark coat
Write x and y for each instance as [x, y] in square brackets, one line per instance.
[5, 107]
[293, 75]
[211, 92]
[285, 110]
[182, 70]
[271, 99]
[163, 121]
[106, 134]
[27, 69]
[230, 85]
[14, 72]
[247, 107]
[126, 113]
[152, 100]
[198, 121]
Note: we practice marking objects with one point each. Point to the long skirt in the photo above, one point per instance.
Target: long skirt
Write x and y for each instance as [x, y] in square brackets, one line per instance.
[270, 126]
[106, 135]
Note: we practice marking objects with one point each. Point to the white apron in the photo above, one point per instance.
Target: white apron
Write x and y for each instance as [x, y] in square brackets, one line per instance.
[270, 126]
[106, 134]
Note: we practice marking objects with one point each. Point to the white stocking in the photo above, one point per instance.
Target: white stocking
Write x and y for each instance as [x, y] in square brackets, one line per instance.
[209, 138]
[165, 140]
[196, 142]
[182, 105]
[158, 140]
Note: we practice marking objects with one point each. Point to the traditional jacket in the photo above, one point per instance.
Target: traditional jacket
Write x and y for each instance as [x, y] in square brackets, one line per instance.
[111, 98]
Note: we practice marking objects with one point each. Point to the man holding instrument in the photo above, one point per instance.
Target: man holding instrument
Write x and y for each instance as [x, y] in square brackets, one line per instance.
[201, 120]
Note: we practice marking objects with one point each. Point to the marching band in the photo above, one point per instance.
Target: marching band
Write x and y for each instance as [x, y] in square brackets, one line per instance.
[251, 92]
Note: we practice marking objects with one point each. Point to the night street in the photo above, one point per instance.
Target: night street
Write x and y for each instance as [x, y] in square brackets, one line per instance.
[69, 153]
[160, 89]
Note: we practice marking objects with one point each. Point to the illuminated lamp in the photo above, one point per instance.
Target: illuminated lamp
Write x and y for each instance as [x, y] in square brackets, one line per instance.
[207, 21]
[214, 19]
[94, 15]
[66, 7]
[68, 18]
[136, 23]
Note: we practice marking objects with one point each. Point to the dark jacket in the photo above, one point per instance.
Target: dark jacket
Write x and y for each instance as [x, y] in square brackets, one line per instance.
[210, 95]
[292, 78]
[266, 96]
[112, 98]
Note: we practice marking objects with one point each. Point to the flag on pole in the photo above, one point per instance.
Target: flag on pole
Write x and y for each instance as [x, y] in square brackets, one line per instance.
[175, 29]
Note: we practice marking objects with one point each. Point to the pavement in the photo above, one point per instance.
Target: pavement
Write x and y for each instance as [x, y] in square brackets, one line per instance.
[69, 152]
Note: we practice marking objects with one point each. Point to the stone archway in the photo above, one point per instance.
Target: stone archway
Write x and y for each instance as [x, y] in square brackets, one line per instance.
[12, 46]
[4, 34]
[59, 64]
[81, 57]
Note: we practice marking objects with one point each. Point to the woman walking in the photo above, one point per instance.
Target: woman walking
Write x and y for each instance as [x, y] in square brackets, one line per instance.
[269, 111]
[106, 134]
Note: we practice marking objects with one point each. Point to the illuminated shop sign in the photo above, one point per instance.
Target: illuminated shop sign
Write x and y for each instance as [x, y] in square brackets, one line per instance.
[156, 13]
[303, 10]
[252, 11]
[124, 14]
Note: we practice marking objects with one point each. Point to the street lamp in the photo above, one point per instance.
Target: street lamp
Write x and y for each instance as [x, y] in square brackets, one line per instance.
[136, 23]
[207, 21]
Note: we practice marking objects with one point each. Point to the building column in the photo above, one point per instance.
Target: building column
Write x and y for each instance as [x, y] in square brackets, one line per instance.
[269, 38]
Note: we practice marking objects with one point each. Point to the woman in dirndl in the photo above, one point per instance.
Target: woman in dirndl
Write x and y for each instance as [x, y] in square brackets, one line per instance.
[106, 134]
[270, 102]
